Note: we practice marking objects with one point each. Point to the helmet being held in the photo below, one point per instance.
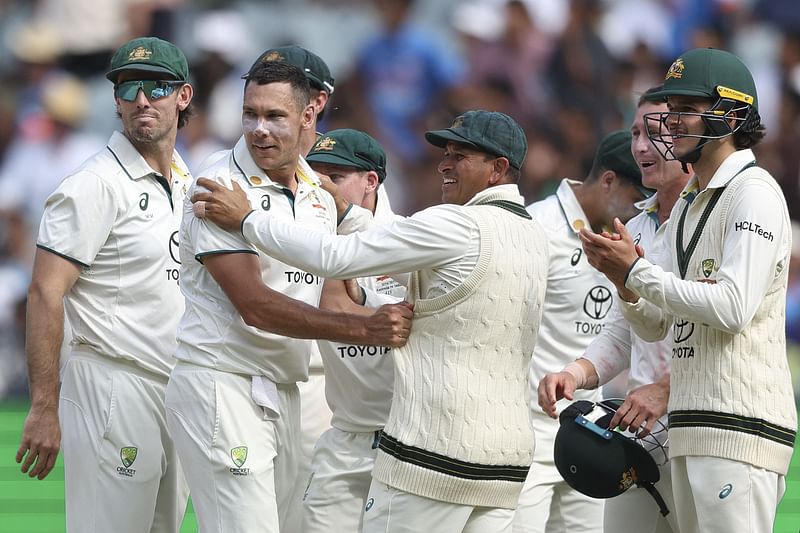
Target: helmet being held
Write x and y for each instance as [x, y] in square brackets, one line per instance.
[603, 463]
[706, 73]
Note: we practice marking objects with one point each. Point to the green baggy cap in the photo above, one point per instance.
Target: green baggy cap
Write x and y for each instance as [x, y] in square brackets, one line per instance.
[315, 69]
[149, 54]
[488, 131]
[350, 148]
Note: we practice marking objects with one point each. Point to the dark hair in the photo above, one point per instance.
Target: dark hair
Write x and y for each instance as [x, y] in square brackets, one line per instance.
[512, 173]
[751, 133]
[648, 97]
[266, 72]
[185, 115]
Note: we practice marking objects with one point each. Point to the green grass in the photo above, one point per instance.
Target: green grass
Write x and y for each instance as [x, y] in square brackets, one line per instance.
[33, 506]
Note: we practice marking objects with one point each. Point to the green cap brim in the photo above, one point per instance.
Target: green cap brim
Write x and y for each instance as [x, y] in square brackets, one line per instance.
[334, 159]
[112, 74]
[663, 93]
[440, 138]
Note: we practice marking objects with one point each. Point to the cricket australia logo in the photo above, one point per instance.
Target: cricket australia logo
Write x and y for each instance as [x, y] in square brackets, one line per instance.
[140, 53]
[628, 479]
[676, 70]
[326, 143]
[239, 456]
[707, 266]
[127, 455]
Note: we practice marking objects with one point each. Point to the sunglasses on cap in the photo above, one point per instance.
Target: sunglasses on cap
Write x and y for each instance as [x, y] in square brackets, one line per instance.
[153, 89]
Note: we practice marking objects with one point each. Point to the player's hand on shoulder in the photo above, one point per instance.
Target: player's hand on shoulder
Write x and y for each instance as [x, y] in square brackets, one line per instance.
[390, 324]
[40, 443]
[223, 206]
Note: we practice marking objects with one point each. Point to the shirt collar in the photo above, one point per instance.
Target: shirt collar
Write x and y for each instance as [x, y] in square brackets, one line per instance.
[256, 176]
[129, 157]
[573, 212]
[508, 192]
[725, 173]
[730, 167]
[650, 207]
[383, 208]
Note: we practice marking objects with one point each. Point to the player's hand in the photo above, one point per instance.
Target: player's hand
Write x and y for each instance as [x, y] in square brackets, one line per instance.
[341, 203]
[224, 207]
[390, 324]
[354, 291]
[41, 440]
[642, 407]
[552, 388]
[611, 255]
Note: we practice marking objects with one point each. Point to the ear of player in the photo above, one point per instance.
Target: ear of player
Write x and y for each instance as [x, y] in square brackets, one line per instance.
[601, 462]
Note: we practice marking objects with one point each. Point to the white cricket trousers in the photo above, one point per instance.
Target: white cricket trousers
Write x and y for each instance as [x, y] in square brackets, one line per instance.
[122, 472]
[341, 473]
[389, 510]
[714, 495]
[635, 511]
[547, 504]
[315, 419]
[241, 467]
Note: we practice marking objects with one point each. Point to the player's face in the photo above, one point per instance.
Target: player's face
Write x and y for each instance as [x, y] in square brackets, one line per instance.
[656, 171]
[272, 122]
[680, 126]
[150, 120]
[465, 172]
[354, 185]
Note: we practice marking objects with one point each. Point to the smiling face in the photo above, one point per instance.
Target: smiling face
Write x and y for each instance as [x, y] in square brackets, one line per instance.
[465, 172]
[151, 120]
[272, 122]
[686, 127]
[656, 171]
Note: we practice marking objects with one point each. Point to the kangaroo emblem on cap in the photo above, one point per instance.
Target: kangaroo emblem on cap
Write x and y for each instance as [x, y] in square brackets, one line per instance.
[273, 56]
[676, 70]
[140, 53]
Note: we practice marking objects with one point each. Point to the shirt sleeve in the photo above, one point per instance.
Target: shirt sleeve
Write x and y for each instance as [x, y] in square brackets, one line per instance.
[355, 219]
[78, 218]
[431, 238]
[755, 250]
[610, 352]
[208, 237]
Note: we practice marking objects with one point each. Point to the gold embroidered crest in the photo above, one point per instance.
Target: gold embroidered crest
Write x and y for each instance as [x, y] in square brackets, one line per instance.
[140, 53]
[273, 56]
[457, 122]
[708, 267]
[628, 478]
[676, 70]
[326, 143]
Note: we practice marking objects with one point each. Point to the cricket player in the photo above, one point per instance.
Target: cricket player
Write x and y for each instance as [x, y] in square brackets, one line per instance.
[732, 418]
[577, 306]
[458, 443]
[241, 342]
[618, 348]
[107, 255]
[316, 415]
[359, 379]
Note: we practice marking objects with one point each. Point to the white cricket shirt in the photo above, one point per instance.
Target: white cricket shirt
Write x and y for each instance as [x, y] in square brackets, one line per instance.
[578, 297]
[211, 332]
[359, 379]
[120, 223]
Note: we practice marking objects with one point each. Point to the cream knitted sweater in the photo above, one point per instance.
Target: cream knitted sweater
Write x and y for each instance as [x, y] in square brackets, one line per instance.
[731, 395]
[459, 428]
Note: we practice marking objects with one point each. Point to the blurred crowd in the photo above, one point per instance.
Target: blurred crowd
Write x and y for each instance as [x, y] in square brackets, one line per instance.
[569, 71]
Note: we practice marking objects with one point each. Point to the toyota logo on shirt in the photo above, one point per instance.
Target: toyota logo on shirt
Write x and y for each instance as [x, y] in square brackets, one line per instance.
[598, 302]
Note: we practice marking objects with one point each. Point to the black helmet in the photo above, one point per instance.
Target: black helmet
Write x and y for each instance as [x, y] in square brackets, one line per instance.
[601, 462]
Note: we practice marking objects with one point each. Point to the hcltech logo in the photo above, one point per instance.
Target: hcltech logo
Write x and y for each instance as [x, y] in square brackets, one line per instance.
[127, 455]
[239, 456]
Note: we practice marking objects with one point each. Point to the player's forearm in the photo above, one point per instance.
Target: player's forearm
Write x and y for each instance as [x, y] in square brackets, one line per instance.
[291, 318]
[44, 333]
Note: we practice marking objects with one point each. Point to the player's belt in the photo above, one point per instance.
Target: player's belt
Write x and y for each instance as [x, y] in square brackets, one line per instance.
[447, 465]
[727, 421]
